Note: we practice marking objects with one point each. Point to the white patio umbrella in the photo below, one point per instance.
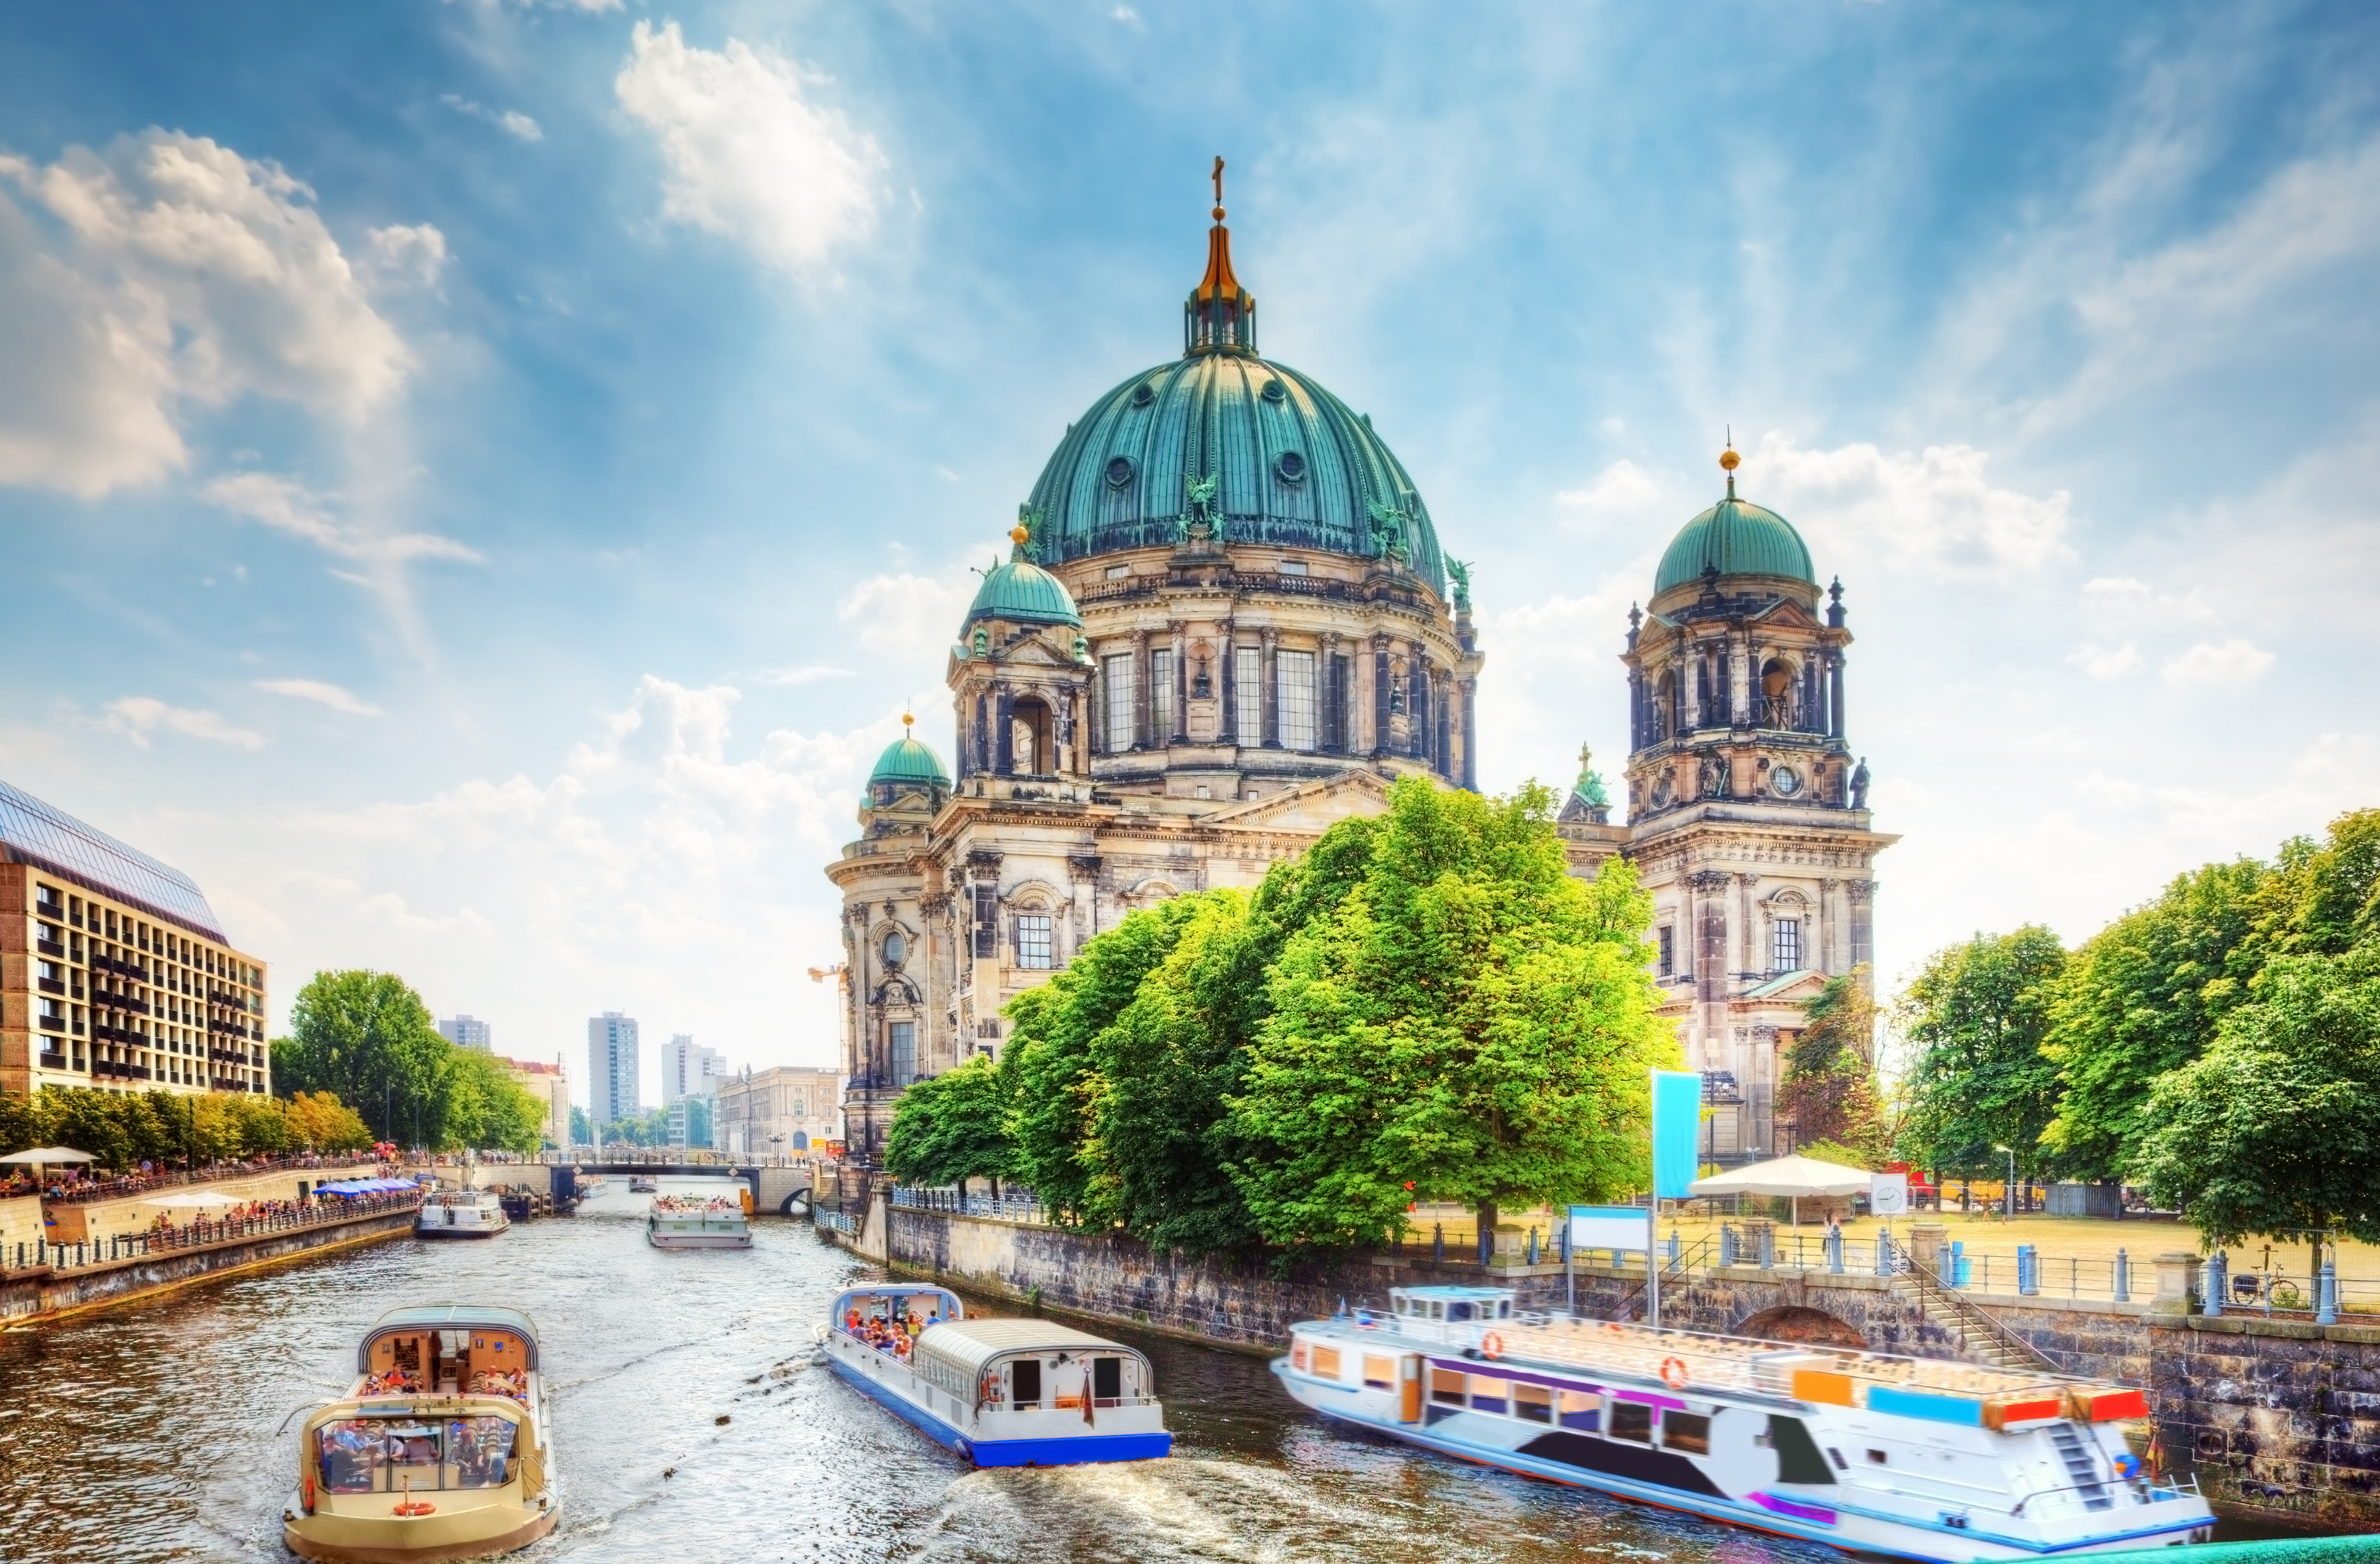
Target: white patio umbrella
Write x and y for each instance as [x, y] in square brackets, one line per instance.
[41, 1153]
[206, 1197]
[1790, 1176]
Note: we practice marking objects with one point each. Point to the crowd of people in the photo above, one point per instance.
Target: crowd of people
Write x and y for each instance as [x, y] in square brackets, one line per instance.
[354, 1452]
[896, 1336]
[78, 1184]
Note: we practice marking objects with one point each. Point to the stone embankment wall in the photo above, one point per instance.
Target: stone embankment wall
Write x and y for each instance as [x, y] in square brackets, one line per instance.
[42, 1294]
[2280, 1420]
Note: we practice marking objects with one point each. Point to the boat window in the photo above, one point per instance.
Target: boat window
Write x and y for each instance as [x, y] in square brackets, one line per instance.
[1107, 1381]
[1487, 1394]
[1446, 1386]
[1024, 1383]
[1877, 1456]
[1326, 1363]
[1437, 1310]
[1298, 1357]
[1686, 1431]
[1458, 1311]
[379, 1455]
[1380, 1374]
[1504, 1308]
[1579, 1409]
[1632, 1420]
[1534, 1402]
[1798, 1459]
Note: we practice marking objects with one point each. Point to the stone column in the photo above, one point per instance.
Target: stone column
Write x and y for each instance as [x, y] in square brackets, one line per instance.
[1271, 638]
[1140, 701]
[1330, 699]
[2174, 1272]
[1004, 731]
[1834, 693]
[1471, 733]
[1926, 1243]
[1862, 893]
[1229, 672]
[1379, 696]
[1180, 641]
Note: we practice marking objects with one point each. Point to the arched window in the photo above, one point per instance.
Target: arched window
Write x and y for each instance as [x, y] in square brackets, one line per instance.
[1030, 723]
[1665, 707]
[896, 948]
[1777, 692]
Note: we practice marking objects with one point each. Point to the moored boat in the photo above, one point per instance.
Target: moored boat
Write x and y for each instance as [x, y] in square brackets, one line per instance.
[1911, 1458]
[694, 1221]
[461, 1213]
[1001, 1392]
[437, 1452]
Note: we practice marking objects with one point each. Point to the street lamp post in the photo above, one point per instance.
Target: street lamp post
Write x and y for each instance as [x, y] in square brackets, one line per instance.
[2008, 1191]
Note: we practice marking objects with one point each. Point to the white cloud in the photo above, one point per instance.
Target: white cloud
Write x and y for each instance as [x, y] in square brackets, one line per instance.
[1934, 506]
[511, 121]
[2106, 662]
[2116, 591]
[332, 696]
[809, 673]
[288, 507]
[166, 272]
[1622, 489]
[747, 155]
[413, 254]
[138, 716]
[2234, 661]
[907, 614]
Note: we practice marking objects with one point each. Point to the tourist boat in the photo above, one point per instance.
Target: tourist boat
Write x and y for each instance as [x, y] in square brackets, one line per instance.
[643, 1183]
[438, 1451]
[1001, 1392]
[694, 1221]
[461, 1213]
[1909, 1457]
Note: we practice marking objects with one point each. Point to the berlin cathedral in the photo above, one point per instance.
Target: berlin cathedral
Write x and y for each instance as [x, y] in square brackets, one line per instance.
[1224, 622]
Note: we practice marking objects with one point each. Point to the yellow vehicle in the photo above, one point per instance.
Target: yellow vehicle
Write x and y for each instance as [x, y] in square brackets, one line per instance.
[437, 1452]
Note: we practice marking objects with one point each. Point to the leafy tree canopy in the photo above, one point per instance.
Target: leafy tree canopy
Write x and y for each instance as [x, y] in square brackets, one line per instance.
[1827, 1091]
[1977, 1017]
[1468, 1022]
[948, 1130]
[368, 1038]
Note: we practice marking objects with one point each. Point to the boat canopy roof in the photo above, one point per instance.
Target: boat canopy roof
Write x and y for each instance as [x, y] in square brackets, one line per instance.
[970, 1344]
[885, 1292]
[1476, 1295]
[447, 1317]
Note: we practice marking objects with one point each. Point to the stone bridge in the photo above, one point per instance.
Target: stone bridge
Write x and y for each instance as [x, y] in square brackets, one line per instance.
[782, 1190]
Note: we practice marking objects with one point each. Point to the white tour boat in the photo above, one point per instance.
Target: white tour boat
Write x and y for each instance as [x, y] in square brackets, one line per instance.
[437, 1452]
[461, 1213]
[696, 1221]
[1001, 1392]
[1911, 1458]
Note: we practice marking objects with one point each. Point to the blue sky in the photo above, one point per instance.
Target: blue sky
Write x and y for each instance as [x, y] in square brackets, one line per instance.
[479, 481]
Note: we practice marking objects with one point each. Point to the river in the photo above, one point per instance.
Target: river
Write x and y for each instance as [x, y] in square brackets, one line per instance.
[695, 1421]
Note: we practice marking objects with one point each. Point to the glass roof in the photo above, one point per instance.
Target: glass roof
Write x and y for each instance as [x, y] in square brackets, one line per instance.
[47, 838]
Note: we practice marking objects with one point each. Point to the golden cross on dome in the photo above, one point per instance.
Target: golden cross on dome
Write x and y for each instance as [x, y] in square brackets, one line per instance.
[1219, 187]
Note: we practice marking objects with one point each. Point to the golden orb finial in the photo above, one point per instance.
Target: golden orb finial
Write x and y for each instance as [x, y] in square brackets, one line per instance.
[1728, 460]
[1019, 535]
[906, 722]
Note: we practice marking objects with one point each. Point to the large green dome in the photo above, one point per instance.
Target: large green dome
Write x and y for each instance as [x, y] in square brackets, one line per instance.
[1736, 538]
[1022, 593]
[1291, 466]
[907, 762]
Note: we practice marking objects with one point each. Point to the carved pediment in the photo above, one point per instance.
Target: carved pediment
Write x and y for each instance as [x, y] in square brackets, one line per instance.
[1787, 614]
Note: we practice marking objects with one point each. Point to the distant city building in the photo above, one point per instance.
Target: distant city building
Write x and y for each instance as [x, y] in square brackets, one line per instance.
[114, 971]
[689, 1070]
[550, 1087]
[467, 1032]
[612, 1089]
[784, 1110]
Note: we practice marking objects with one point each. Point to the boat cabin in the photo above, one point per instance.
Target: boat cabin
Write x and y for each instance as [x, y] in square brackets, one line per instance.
[445, 1350]
[1031, 1365]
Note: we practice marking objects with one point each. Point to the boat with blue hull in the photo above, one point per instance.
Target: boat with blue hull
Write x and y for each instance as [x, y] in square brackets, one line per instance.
[1907, 1458]
[1001, 1392]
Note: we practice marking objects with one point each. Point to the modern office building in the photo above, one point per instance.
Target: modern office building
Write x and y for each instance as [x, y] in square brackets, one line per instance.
[551, 1086]
[689, 1070]
[785, 1110]
[611, 1088]
[469, 1032]
[114, 971]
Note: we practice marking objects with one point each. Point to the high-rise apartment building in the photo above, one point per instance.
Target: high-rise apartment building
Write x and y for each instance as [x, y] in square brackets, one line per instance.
[689, 1070]
[469, 1032]
[612, 1089]
[114, 971]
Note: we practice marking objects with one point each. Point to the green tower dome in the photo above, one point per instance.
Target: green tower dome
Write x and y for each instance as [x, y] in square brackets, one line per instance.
[1022, 593]
[906, 763]
[1735, 538]
[1222, 437]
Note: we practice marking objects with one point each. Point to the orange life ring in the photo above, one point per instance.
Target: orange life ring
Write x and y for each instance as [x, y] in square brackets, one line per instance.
[1673, 1373]
[1492, 1345]
[306, 1493]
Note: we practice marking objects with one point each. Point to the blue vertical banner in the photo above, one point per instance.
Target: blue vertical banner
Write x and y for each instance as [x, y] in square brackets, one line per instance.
[1677, 1131]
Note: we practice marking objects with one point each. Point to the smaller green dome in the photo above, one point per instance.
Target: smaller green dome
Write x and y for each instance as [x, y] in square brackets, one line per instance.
[1022, 592]
[1737, 538]
[907, 762]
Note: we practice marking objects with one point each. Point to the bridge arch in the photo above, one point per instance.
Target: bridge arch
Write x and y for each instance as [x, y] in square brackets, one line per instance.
[1802, 1327]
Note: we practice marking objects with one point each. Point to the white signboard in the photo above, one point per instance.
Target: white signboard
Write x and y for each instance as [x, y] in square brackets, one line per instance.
[1888, 1194]
[1610, 1227]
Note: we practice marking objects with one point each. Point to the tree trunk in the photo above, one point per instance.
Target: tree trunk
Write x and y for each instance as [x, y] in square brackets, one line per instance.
[1486, 1214]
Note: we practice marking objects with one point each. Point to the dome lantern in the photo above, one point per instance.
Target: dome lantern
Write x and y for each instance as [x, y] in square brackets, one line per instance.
[1220, 316]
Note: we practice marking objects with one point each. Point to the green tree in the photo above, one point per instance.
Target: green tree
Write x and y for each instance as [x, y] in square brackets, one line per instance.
[2143, 996]
[2276, 1127]
[2322, 898]
[479, 1104]
[368, 1038]
[1469, 1023]
[320, 1122]
[581, 1132]
[949, 1129]
[1977, 1017]
[1827, 1089]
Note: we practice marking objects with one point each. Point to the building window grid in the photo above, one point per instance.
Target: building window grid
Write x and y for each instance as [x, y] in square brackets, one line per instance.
[1786, 945]
[1296, 672]
[1247, 680]
[1161, 694]
[1034, 948]
[1667, 938]
[1115, 677]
